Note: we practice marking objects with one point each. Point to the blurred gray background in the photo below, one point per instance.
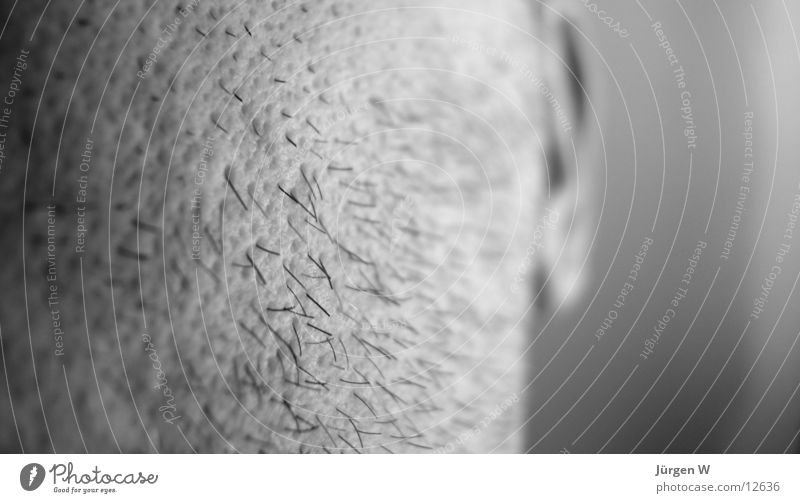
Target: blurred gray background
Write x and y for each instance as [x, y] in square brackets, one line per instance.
[718, 380]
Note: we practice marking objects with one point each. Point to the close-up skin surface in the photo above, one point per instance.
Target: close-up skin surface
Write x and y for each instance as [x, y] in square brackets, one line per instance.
[254, 226]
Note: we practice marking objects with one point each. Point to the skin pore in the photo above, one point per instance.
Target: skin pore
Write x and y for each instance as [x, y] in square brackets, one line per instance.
[304, 224]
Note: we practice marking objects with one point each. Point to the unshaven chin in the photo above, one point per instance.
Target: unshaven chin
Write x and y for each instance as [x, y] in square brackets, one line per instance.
[337, 202]
[379, 207]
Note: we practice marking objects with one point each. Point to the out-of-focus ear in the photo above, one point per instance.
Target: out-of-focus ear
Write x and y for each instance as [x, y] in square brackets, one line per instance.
[574, 158]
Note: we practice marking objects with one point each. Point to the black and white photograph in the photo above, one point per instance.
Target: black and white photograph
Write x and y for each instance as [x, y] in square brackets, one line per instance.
[440, 227]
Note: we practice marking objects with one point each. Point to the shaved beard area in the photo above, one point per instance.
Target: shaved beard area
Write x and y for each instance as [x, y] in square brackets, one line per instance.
[304, 225]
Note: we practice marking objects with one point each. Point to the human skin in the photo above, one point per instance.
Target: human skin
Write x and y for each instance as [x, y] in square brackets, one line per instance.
[361, 179]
